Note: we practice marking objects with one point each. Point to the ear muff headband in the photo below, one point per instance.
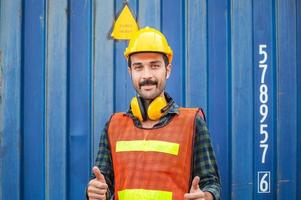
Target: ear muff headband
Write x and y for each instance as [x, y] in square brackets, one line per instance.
[142, 108]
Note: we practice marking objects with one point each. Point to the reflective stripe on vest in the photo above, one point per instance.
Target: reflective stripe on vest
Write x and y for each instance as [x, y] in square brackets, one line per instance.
[153, 163]
[141, 194]
[148, 145]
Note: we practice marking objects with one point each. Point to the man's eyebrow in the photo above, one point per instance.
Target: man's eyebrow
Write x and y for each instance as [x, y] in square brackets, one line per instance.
[156, 61]
[137, 63]
[152, 62]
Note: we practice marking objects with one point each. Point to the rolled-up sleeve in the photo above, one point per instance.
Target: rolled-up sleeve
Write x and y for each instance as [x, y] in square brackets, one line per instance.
[205, 165]
[104, 161]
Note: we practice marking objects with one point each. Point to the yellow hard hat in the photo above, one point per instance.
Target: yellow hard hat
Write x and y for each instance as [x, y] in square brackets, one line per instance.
[148, 40]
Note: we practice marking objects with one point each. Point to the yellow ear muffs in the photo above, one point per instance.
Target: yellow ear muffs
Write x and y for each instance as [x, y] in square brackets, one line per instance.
[138, 109]
[154, 110]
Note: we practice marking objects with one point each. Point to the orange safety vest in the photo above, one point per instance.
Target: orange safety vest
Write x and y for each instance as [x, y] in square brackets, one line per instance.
[152, 164]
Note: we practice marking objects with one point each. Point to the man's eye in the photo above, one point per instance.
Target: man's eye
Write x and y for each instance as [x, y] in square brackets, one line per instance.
[155, 66]
[137, 67]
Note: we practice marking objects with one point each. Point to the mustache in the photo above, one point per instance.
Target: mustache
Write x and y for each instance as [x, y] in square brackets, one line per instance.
[148, 82]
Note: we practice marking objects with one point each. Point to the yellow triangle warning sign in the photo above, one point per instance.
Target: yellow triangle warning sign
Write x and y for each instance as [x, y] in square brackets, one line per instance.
[125, 25]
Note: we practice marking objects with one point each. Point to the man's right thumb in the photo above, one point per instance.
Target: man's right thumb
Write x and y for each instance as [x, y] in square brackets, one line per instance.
[98, 174]
[195, 185]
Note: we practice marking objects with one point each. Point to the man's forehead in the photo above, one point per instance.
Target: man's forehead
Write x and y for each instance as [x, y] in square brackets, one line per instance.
[147, 57]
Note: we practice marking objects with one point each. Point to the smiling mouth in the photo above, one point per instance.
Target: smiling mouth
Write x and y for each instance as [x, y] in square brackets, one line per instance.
[148, 87]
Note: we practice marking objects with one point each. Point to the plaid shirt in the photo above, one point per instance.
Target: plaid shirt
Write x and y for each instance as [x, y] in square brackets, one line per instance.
[204, 159]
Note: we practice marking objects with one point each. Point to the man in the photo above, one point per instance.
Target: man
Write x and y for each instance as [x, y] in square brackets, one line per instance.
[155, 151]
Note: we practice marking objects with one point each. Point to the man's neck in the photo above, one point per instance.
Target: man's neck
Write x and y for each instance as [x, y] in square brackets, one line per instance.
[146, 103]
[148, 123]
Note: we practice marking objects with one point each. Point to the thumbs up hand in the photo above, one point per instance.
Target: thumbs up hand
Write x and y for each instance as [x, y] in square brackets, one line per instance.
[97, 187]
[98, 174]
[196, 193]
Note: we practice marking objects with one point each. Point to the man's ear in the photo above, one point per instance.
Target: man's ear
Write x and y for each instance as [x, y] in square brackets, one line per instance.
[168, 70]
[130, 71]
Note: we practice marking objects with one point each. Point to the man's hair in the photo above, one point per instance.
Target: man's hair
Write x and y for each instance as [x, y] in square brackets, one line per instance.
[165, 58]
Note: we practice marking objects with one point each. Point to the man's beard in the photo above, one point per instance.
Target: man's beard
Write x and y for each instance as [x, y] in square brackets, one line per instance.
[150, 83]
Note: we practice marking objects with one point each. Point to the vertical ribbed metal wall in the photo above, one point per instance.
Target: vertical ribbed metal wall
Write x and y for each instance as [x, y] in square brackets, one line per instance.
[61, 78]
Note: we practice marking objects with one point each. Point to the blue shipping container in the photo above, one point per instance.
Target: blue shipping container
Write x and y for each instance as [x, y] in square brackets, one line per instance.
[61, 78]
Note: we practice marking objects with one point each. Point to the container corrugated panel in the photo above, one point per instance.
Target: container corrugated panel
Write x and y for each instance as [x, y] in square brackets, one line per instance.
[61, 78]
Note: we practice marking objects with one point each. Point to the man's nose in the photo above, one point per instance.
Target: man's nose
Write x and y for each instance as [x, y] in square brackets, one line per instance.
[147, 73]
